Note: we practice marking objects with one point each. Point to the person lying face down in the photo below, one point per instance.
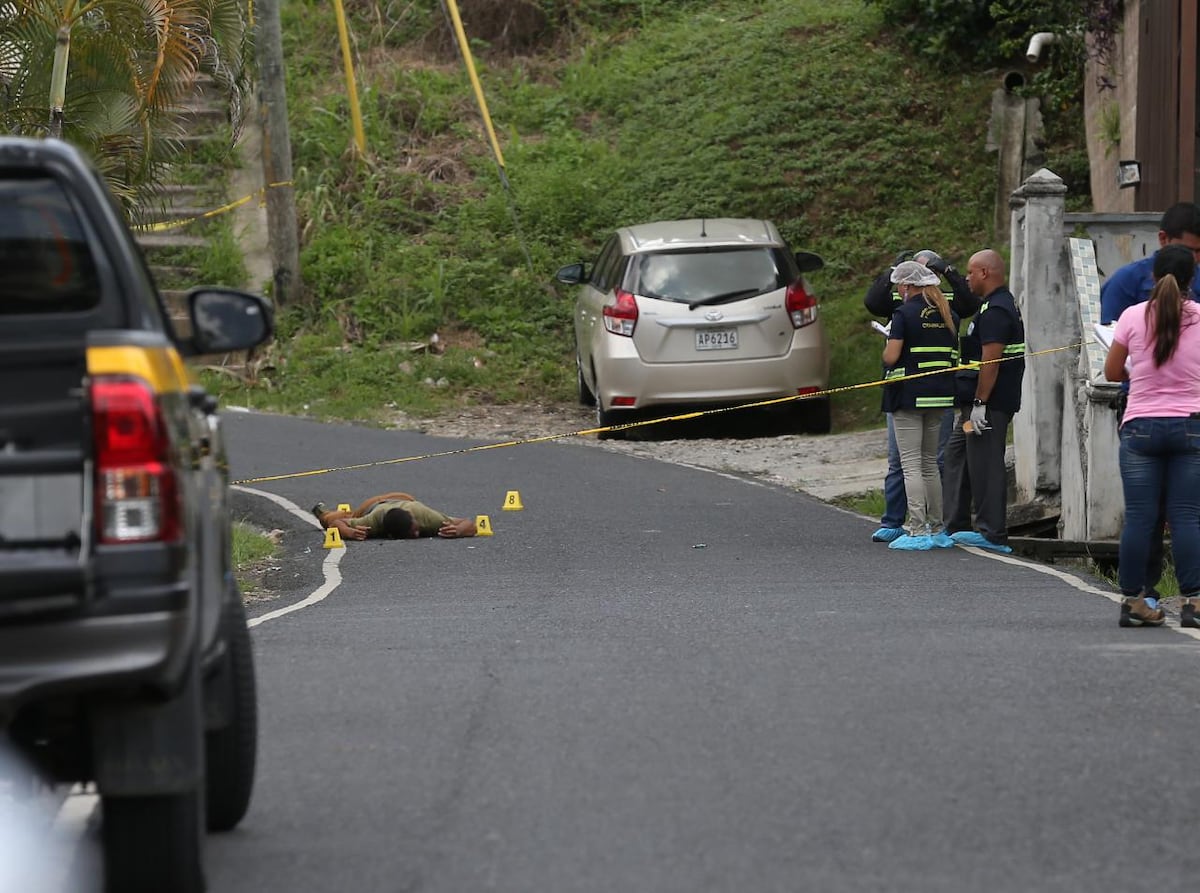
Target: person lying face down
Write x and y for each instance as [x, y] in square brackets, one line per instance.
[397, 516]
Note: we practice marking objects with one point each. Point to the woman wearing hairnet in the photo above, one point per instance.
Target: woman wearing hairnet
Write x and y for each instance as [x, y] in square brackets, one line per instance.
[923, 339]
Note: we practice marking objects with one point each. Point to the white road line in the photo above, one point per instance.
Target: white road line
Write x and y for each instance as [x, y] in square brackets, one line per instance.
[333, 576]
[1070, 579]
[1065, 577]
[76, 810]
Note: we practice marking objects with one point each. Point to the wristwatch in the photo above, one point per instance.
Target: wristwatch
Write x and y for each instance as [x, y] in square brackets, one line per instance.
[978, 402]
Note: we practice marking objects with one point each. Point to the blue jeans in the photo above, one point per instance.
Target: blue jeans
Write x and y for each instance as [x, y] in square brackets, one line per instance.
[895, 499]
[1154, 451]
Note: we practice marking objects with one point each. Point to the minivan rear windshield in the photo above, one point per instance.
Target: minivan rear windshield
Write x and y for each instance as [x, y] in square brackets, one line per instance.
[46, 265]
[699, 276]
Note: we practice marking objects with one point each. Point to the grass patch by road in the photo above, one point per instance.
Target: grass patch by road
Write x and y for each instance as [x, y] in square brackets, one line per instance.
[251, 550]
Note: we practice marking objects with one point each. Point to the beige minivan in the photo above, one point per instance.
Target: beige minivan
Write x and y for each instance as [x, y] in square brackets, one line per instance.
[699, 313]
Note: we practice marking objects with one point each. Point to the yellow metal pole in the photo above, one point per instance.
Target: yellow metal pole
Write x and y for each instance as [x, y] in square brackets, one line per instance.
[360, 138]
[470, 63]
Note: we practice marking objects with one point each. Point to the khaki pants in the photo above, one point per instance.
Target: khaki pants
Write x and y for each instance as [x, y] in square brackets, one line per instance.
[917, 435]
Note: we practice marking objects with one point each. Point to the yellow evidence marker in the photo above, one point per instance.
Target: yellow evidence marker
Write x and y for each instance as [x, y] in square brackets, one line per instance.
[333, 539]
[512, 501]
[343, 506]
[483, 526]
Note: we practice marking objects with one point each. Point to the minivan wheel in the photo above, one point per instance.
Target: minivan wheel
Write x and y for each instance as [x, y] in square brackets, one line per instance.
[586, 397]
[606, 418]
[814, 416]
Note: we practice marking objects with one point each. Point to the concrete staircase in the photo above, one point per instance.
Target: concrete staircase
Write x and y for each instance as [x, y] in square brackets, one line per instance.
[175, 249]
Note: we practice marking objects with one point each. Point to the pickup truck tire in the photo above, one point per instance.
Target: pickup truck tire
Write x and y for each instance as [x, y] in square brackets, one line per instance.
[153, 844]
[231, 752]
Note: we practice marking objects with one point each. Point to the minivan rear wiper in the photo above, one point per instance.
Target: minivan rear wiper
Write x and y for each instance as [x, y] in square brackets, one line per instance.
[727, 296]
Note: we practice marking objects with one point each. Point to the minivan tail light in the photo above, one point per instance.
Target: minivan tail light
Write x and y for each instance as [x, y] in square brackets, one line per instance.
[137, 494]
[620, 317]
[801, 306]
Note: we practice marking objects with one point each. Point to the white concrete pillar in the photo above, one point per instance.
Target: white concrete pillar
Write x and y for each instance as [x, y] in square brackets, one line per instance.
[1105, 497]
[1051, 321]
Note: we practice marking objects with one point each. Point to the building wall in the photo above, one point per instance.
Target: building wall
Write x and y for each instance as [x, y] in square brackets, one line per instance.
[1110, 110]
[1158, 119]
[1149, 92]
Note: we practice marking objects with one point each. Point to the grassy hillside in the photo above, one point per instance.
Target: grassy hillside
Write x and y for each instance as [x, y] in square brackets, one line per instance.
[800, 111]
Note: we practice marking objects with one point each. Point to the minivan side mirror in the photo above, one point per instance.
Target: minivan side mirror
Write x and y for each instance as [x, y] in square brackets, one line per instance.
[224, 320]
[572, 274]
[808, 262]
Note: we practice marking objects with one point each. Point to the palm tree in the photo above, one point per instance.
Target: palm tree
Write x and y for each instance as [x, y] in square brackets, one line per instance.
[111, 76]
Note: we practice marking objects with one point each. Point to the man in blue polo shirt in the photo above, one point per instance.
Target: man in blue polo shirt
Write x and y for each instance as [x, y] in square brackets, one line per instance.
[1132, 283]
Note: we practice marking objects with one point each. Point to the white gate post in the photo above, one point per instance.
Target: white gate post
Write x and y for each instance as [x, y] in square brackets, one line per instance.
[1051, 319]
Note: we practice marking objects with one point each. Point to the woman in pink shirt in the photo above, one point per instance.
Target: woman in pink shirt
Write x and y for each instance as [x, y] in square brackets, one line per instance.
[1160, 435]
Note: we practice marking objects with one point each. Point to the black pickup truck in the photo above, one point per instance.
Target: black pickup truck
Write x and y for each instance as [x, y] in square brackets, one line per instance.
[125, 659]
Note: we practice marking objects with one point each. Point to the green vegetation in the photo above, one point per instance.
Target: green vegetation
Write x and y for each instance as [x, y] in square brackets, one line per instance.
[111, 77]
[807, 112]
[869, 503]
[250, 547]
[218, 262]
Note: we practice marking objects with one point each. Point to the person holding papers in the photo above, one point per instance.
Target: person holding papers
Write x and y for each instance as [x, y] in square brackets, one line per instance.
[1160, 437]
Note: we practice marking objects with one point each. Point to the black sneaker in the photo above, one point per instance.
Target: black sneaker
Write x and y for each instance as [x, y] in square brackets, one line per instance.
[1189, 616]
[1136, 612]
[319, 509]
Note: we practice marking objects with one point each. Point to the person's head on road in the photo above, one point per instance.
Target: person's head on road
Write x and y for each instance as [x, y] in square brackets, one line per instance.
[985, 272]
[398, 524]
[1180, 225]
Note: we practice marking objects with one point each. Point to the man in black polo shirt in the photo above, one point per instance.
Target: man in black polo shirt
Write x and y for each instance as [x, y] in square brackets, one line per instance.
[987, 398]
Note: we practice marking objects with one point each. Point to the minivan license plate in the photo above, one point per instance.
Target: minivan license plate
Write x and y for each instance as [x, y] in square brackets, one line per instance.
[716, 339]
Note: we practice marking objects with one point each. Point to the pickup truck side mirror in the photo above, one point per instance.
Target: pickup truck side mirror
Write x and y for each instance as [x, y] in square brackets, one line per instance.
[572, 274]
[808, 262]
[225, 320]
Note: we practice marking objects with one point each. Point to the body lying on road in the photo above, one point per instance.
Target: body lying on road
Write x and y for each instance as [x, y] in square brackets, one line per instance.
[393, 516]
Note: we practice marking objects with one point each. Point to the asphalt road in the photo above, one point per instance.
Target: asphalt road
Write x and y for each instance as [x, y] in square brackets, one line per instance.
[655, 678]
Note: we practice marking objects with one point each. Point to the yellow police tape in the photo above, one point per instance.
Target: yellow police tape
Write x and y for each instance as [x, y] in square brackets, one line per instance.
[165, 225]
[641, 424]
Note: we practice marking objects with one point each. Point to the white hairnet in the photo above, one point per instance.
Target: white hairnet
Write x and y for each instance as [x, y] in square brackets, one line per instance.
[926, 256]
[912, 273]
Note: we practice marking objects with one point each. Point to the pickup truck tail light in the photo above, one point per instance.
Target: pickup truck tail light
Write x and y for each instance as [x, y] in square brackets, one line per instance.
[801, 305]
[137, 495]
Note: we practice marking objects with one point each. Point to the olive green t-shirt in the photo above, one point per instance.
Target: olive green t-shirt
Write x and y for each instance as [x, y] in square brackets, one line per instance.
[429, 521]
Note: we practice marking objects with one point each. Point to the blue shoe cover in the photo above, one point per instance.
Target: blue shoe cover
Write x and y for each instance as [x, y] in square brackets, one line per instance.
[912, 543]
[995, 547]
[974, 538]
[942, 541]
[968, 538]
[887, 534]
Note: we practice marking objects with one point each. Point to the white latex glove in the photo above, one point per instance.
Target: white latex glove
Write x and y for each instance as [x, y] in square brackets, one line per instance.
[979, 422]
